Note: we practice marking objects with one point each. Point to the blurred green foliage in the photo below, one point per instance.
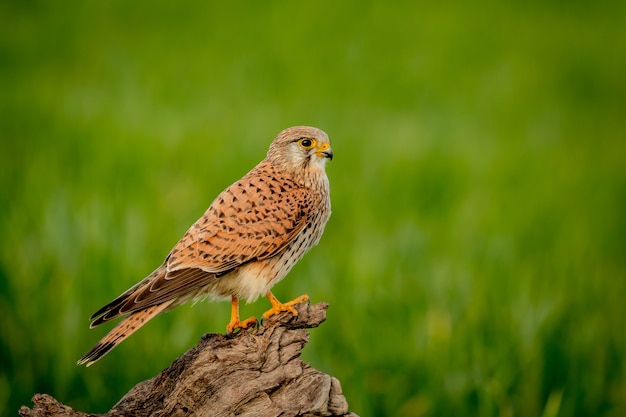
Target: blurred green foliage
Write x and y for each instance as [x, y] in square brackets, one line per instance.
[475, 262]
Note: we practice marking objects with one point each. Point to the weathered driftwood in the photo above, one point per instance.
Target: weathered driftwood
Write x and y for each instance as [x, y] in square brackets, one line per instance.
[253, 373]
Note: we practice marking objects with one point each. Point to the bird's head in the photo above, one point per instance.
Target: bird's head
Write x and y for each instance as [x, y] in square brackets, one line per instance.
[301, 149]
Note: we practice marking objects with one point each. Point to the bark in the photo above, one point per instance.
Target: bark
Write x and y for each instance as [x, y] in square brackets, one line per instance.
[253, 373]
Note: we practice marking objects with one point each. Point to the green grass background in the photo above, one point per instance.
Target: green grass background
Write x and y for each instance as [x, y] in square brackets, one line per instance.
[475, 262]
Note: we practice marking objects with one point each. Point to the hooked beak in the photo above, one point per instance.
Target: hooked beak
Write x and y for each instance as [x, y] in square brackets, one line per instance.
[325, 151]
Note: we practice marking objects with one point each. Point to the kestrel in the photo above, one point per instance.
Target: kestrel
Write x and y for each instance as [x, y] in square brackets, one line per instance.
[250, 237]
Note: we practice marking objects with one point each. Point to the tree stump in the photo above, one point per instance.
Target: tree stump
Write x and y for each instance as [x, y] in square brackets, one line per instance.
[252, 373]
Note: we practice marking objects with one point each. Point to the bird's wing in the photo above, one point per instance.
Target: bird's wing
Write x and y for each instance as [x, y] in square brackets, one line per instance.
[149, 292]
[253, 219]
[239, 227]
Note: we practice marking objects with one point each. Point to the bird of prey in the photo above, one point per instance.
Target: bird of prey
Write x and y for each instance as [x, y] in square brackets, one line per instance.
[250, 237]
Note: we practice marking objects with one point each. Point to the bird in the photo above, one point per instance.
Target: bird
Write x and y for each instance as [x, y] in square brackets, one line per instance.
[249, 238]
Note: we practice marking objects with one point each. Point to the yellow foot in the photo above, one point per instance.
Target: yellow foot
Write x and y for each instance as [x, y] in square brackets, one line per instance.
[278, 307]
[233, 326]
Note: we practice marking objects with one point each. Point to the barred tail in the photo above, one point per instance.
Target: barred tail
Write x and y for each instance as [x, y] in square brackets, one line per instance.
[120, 332]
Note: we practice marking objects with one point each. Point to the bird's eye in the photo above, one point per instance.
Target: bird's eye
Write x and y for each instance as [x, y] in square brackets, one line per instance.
[306, 143]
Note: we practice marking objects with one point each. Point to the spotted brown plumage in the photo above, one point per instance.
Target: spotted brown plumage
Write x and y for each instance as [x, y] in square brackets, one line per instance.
[248, 239]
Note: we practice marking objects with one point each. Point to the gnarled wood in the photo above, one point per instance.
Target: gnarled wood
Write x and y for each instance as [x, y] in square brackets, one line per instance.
[253, 373]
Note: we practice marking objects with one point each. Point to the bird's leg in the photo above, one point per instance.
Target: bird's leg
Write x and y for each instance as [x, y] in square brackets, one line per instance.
[234, 318]
[278, 307]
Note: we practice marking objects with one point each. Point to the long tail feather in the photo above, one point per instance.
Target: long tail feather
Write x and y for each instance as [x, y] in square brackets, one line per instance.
[120, 332]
